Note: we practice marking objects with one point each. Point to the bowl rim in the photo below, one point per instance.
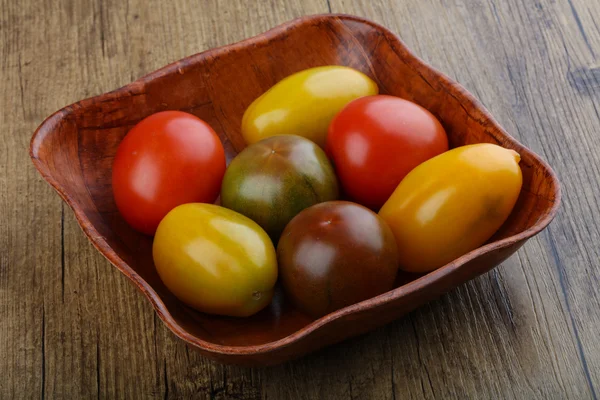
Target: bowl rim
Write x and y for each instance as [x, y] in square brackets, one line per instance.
[448, 85]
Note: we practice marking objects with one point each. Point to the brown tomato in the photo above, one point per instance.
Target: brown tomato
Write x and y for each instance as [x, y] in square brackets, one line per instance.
[335, 254]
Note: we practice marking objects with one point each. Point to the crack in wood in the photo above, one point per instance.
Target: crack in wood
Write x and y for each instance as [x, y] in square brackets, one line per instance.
[43, 392]
[563, 286]
[166, 380]
[62, 251]
[22, 91]
[98, 364]
[392, 374]
[580, 27]
[102, 38]
[421, 362]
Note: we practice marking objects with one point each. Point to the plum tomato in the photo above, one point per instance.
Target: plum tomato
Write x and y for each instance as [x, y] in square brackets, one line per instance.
[335, 254]
[376, 140]
[167, 159]
[273, 180]
[452, 204]
[304, 103]
[215, 260]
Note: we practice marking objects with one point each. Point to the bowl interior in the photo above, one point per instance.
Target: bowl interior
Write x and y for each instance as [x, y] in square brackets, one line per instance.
[74, 148]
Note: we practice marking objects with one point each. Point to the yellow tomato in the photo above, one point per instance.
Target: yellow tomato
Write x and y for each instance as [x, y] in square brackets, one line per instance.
[304, 103]
[215, 260]
[452, 204]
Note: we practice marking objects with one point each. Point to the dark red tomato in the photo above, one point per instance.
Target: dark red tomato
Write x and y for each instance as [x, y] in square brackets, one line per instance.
[376, 140]
[335, 254]
[167, 159]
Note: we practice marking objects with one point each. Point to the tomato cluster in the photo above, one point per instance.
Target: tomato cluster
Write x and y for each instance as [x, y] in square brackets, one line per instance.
[338, 188]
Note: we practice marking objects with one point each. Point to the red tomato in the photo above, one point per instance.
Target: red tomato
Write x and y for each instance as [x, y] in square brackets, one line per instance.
[167, 159]
[376, 140]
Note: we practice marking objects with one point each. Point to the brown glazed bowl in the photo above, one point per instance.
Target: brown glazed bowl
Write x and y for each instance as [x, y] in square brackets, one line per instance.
[74, 148]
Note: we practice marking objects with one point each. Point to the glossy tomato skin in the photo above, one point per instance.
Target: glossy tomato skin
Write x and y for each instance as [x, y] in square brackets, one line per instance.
[304, 103]
[167, 159]
[215, 260]
[452, 204]
[335, 254]
[273, 180]
[376, 140]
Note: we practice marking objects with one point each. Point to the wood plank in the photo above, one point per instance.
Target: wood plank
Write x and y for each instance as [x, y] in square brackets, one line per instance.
[72, 326]
[30, 225]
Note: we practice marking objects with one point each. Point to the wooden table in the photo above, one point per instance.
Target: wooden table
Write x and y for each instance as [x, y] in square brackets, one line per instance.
[71, 326]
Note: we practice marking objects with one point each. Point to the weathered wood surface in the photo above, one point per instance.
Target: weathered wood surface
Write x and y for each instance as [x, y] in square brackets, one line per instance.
[72, 327]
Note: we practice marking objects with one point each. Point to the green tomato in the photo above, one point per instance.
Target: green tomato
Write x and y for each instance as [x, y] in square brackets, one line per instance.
[304, 103]
[273, 180]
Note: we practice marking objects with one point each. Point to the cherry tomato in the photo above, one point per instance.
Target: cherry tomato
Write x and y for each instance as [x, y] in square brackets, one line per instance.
[215, 260]
[167, 159]
[376, 140]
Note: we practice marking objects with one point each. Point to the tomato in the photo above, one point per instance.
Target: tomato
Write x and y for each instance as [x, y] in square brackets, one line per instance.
[335, 254]
[376, 140]
[273, 180]
[167, 159]
[304, 103]
[215, 260]
[452, 204]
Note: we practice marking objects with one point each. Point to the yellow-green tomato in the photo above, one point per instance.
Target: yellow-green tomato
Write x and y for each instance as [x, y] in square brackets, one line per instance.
[452, 204]
[304, 103]
[215, 260]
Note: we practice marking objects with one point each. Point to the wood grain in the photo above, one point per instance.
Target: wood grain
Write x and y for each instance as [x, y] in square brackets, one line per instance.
[527, 330]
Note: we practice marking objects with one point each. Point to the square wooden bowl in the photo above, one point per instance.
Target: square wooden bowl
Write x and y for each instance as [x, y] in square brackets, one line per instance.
[73, 149]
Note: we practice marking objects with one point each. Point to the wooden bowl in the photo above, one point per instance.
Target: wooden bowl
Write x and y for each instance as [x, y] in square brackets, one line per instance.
[74, 148]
